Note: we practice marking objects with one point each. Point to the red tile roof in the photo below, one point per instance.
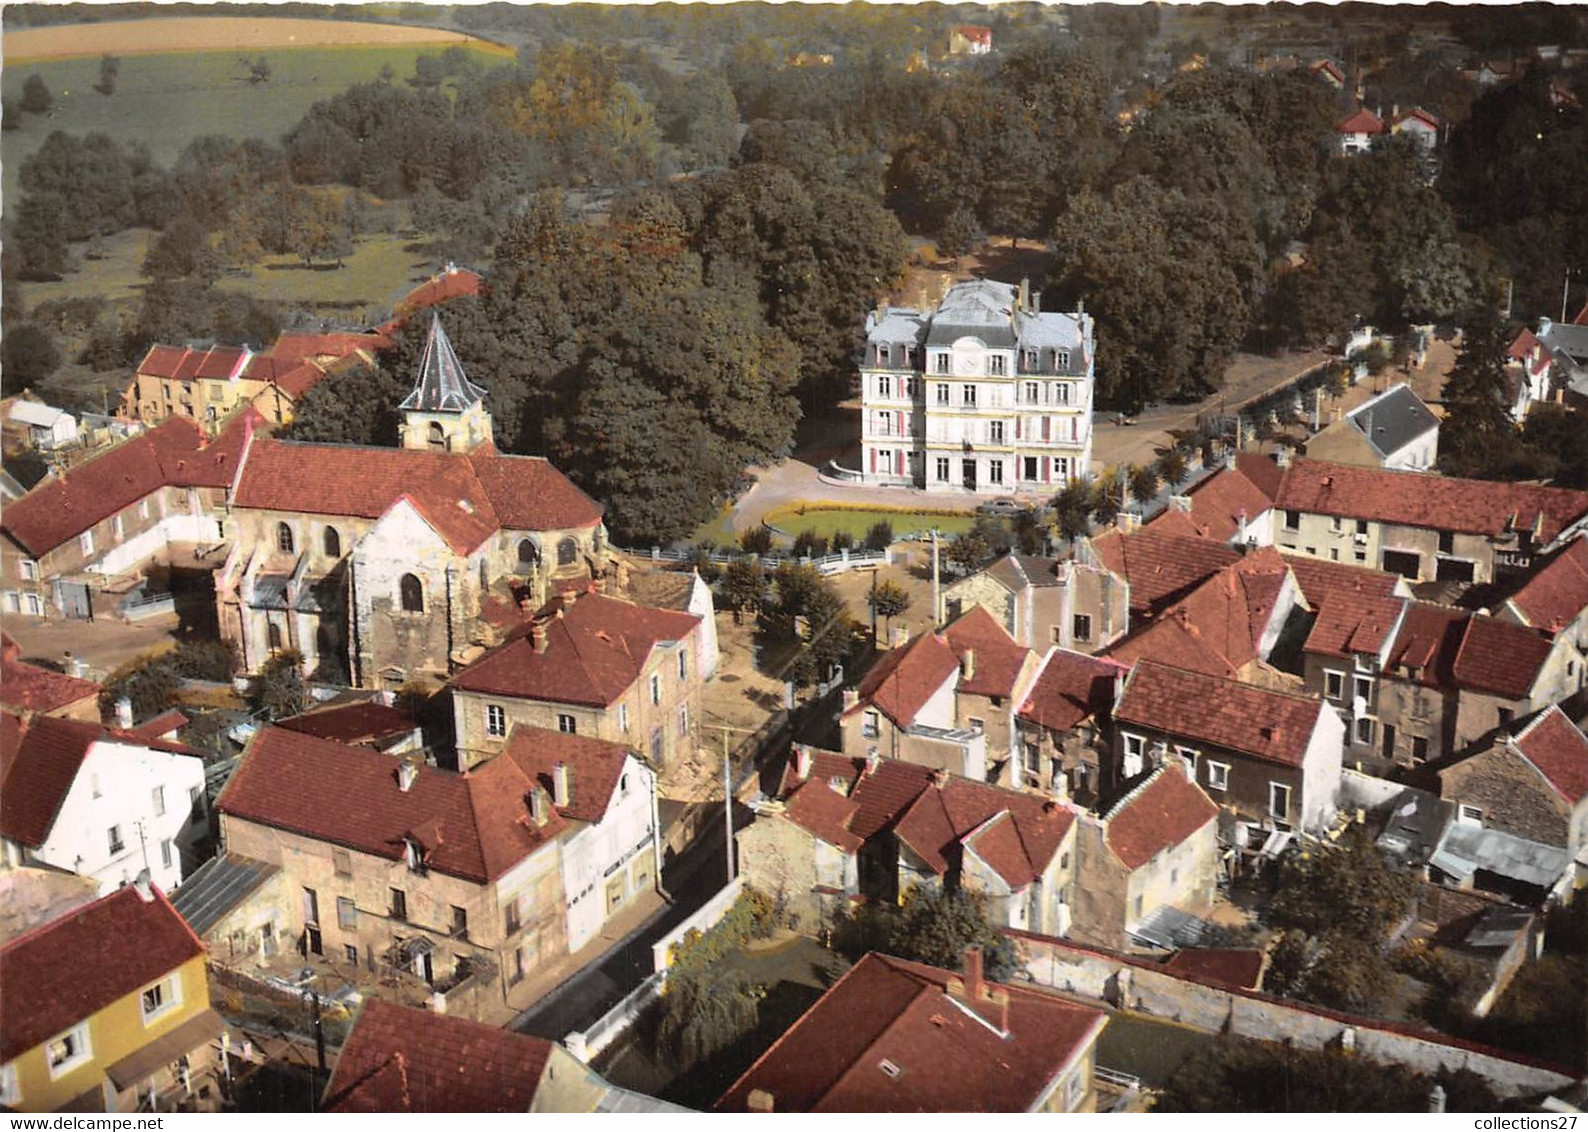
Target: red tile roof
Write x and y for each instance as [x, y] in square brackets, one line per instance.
[175, 453]
[399, 1059]
[1499, 657]
[1362, 122]
[452, 283]
[1348, 624]
[26, 687]
[976, 33]
[466, 496]
[1523, 347]
[1159, 566]
[1264, 472]
[1327, 67]
[1557, 595]
[352, 723]
[292, 347]
[1274, 726]
[596, 648]
[183, 363]
[39, 761]
[72, 967]
[1433, 502]
[1240, 967]
[1420, 115]
[820, 810]
[881, 797]
[474, 826]
[998, 657]
[1015, 833]
[1320, 580]
[900, 684]
[1070, 689]
[1582, 317]
[595, 767]
[1159, 814]
[887, 1037]
[1219, 503]
[1554, 745]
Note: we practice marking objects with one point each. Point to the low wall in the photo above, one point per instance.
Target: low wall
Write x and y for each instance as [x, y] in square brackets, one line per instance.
[705, 917]
[1142, 986]
[586, 1044]
[1371, 793]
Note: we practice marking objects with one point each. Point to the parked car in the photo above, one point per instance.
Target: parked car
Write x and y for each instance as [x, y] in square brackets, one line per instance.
[1003, 508]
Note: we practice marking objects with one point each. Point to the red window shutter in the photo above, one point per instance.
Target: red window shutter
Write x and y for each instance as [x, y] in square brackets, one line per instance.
[1047, 426]
[873, 459]
[1017, 427]
[901, 461]
[1046, 470]
[901, 423]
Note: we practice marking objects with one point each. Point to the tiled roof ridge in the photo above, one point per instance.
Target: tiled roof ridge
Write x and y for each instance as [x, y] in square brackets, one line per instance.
[1134, 793]
[968, 840]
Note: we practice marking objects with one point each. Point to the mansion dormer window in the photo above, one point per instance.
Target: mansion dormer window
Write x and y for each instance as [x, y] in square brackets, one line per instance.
[1061, 359]
[884, 354]
[995, 365]
[941, 364]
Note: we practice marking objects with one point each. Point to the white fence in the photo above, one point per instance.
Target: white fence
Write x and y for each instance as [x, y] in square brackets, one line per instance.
[829, 564]
[585, 1044]
[707, 916]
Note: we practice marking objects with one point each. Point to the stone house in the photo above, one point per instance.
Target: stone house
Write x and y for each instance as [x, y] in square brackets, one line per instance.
[1354, 135]
[29, 689]
[447, 876]
[1227, 507]
[1554, 600]
[594, 665]
[1533, 783]
[1423, 527]
[79, 541]
[1159, 566]
[1394, 430]
[387, 562]
[1271, 760]
[932, 1041]
[905, 709]
[1157, 846]
[1063, 725]
[842, 828]
[995, 673]
[1073, 603]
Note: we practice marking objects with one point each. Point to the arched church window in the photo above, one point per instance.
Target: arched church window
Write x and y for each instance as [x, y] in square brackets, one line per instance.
[567, 552]
[412, 593]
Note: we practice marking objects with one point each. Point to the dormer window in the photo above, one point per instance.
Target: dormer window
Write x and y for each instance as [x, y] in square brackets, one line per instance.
[1061, 359]
[884, 354]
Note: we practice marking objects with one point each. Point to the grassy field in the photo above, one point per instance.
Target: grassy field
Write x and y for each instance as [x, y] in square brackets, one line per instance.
[379, 271]
[165, 101]
[829, 521]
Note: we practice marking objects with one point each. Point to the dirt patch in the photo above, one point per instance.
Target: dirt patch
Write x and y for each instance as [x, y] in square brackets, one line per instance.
[209, 33]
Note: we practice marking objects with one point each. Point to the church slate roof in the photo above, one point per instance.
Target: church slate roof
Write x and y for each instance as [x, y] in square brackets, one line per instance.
[442, 387]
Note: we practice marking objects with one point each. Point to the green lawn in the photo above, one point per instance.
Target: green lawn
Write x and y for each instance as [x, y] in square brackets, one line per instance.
[165, 101]
[828, 521]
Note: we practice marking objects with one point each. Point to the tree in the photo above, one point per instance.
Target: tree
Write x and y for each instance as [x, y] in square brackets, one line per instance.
[10, 115]
[1172, 466]
[150, 682]
[1108, 496]
[969, 551]
[181, 251]
[1478, 427]
[278, 690]
[936, 927]
[109, 68]
[36, 97]
[880, 536]
[889, 600]
[742, 586]
[1143, 482]
[1072, 510]
[756, 540]
[28, 354]
[1348, 888]
[705, 1010]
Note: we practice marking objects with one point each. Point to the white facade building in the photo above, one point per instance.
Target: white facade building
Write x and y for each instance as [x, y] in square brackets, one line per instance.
[986, 394]
[131, 805]
[598, 873]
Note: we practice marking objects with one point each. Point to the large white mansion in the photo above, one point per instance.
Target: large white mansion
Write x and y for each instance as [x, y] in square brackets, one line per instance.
[987, 393]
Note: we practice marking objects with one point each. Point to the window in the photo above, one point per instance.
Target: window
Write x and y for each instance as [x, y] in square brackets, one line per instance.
[995, 432]
[1419, 749]
[683, 664]
[995, 471]
[567, 552]
[967, 396]
[460, 922]
[1333, 685]
[995, 365]
[411, 591]
[332, 542]
[1033, 393]
[1135, 747]
[283, 538]
[165, 853]
[1030, 361]
[1061, 359]
[884, 382]
[656, 688]
[1447, 542]
[68, 1051]
[1188, 758]
[350, 953]
[942, 469]
[495, 720]
[1361, 556]
[35, 605]
[1361, 526]
[157, 795]
[311, 906]
[195, 800]
[116, 527]
[1362, 688]
[1061, 393]
[30, 570]
[884, 423]
[346, 914]
[683, 721]
[399, 905]
[273, 636]
[1028, 468]
[518, 965]
[1278, 801]
[623, 718]
[1336, 524]
[156, 1000]
[113, 835]
[912, 387]
[1470, 815]
[942, 393]
[85, 542]
[143, 509]
[510, 917]
[1292, 520]
[1364, 731]
[342, 861]
[567, 724]
[1334, 554]
[1218, 776]
[528, 556]
[871, 724]
[1083, 627]
[940, 362]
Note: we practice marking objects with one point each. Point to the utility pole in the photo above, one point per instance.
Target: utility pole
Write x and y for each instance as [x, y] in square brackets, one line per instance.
[937, 588]
[727, 789]
[1565, 290]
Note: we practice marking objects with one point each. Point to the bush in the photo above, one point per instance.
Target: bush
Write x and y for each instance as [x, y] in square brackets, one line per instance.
[278, 690]
[150, 682]
[36, 97]
[708, 570]
[843, 540]
[880, 536]
[756, 540]
[809, 544]
[203, 660]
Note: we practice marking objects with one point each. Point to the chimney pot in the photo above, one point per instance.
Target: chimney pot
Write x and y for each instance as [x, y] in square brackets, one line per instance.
[802, 761]
[537, 635]
[539, 806]
[760, 1100]
[124, 713]
[974, 985]
[144, 886]
[967, 664]
[407, 773]
[873, 760]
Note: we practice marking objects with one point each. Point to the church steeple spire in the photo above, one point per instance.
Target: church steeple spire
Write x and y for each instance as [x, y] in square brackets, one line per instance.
[445, 410]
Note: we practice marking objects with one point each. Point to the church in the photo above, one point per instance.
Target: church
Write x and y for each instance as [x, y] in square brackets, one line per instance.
[387, 566]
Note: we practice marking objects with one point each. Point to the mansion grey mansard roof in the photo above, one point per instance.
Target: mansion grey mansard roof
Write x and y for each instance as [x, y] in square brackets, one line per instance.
[986, 310]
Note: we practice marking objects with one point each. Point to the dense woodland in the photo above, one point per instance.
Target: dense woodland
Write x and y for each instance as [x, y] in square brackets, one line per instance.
[683, 232]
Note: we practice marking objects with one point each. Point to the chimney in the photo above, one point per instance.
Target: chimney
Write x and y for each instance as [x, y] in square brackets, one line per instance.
[539, 805]
[144, 887]
[802, 761]
[537, 634]
[1036, 302]
[940, 778]
[967, 664]
[1025, 294]
[124, 713]
[1282, 456]
[1436, 1098]
[974, 984]
[759, 1100]
[851, 698]
[407, 773]
[561, 784]
[1127, 522]
[1181, 503]
[873, 760]
[900, 637]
